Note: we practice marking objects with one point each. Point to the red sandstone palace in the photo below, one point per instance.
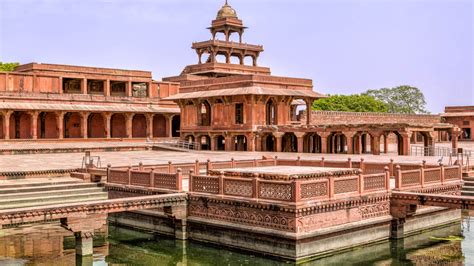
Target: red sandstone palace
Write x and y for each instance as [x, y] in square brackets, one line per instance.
[220, 103]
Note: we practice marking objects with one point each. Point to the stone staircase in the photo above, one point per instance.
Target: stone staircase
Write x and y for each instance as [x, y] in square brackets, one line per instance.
[45, 192]
[468, 185]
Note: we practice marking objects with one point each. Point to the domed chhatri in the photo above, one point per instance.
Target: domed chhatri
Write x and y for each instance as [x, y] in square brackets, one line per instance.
[226, 11]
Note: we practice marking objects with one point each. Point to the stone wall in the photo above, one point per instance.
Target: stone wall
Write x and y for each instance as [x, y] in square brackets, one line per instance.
[334, 117]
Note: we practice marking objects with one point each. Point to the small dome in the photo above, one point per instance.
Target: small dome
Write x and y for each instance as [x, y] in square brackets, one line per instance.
[226, 11]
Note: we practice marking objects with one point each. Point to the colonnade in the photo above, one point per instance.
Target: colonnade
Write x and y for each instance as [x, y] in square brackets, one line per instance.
[62, 124]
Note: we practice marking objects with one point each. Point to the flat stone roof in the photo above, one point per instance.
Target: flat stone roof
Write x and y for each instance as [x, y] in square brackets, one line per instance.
[284, 172]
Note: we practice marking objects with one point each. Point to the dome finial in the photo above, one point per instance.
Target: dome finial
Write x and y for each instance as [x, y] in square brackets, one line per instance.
[226, 11]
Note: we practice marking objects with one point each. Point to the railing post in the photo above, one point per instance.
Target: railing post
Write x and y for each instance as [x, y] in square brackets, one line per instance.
[179, 179]
[423, 164]
[208, 166]
[140, 166]
[390, 168]
[361, 182]
[197, 167]
[398, 177]
[276, 160]
[295, 183]
[322, 161]
[362, 165]
[170, 167]
[349, 162]
[331, 187]
[298, 161]
[441, 167]
[255, 186]
[387, 178]
[129, 171]
[108, 172]
[460, 172]
[191, 177]
[152, 177]
[221, 183]
[422, 176]
[232, 162]
[255, 162]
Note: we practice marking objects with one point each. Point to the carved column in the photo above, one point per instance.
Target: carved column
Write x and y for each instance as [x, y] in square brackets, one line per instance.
[278, 142]
[375, 145]
[108, 131]
[170, 125]
[299, 137]
[34, 125]
[84, 86]
[149, 125]
[309, 104]
[6, 124]
[129, 89]
[258, 142]
[84, 117]
[228, 143]
[250, 142]
[60, 124]
[128, 125]
[107, 87]
[406, 136]
[385, 143]
[324, 141]
[455, 133]
[350, 141]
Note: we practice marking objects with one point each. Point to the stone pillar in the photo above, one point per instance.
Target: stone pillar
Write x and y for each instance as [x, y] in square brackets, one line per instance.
[60, 123]
[455, 132]
[375, 144]
[229, 145]
[149, 125]
[258, 143]
[406, 136]
[179, 215]
[108, 130]
[129, 89]
[350, 142]
[385, 143]
[324, 141]
[300, 137]
[84, 86]
[34, 125]
[251, 142]
[309, 104]
[170, 125]
[213, 143]
[84, 245]
[84, 117]
[6, 124]
[107, 87]
[278, 142]
[128, 125]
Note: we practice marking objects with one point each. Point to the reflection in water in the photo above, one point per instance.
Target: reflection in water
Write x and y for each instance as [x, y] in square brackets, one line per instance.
[49, 244]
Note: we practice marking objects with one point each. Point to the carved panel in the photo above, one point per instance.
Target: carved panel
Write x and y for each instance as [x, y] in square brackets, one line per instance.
[242, 188]
[312, 190]
[374, 182]
[275, 191]
[345, 186]
[411, 178]
[451, 173]
[140, 178]
[206, 184]
[118, 176]
[433, 175]
[374, 210]
[163, 180]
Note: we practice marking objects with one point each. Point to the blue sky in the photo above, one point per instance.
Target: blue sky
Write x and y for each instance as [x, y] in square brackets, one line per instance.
[345, 46]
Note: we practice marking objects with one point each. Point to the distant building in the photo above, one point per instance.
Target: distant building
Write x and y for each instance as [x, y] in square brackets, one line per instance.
[463, 117]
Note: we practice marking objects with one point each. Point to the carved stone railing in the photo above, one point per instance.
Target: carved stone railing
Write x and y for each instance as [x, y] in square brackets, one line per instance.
[146, 178]
[427, 177]
[293, 190]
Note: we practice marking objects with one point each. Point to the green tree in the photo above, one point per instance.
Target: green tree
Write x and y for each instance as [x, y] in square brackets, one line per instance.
[8, 66]
[402, 99]
[350, 103]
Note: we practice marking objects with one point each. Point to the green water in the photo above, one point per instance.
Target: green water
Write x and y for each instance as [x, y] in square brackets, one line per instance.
[451, 245]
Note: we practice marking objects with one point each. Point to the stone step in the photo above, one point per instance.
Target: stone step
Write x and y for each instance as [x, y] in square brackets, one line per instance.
[468, 188]
[41, 194]
[468, 183]
[467, 193]
[37, 183]
[469, 178]
[51, 200]
[50, 188]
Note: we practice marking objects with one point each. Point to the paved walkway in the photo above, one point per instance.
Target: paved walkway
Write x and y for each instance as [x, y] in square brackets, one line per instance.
[31, 162]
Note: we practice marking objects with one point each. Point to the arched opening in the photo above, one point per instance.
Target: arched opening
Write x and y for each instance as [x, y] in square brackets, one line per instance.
[271, 112]
[240, 142]
[139, 126]
[160, 129]
[205, 142]
[391, 142]
[289, 143]
[248, 60]
[47, 126]
[312, 143]
[189, 138]
[20, 125]
[204, 112]
[118, 127]
[269, 143]
[362, 143]
[175, 124]
[235, 59]
[220, 143]
[72, 125]
[220, 58]
[337, 143]
[96, 126]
